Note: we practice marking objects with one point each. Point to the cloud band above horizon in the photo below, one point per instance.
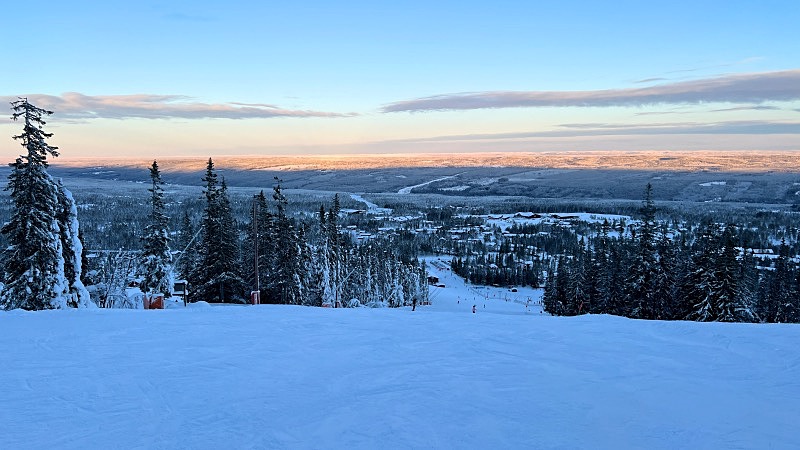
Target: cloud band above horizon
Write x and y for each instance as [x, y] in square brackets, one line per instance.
[74, 105]
[743, 88]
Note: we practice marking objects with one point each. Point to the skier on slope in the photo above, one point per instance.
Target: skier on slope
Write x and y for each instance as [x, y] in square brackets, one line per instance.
[473, 309]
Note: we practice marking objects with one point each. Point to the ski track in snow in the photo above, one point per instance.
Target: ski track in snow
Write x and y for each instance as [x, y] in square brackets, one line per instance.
[371, 207]
[359, 198]
[407, 190]
[508, 376]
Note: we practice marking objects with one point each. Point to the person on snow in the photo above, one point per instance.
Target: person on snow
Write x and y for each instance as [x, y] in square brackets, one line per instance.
[473, 309]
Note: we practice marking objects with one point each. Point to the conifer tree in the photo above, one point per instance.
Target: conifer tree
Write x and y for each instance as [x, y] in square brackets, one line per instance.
[748, 287]
[286, 279]
[216, 277]
[42, 224]
[577, 294]
[665, 286]
[156, 260]
[730, 306]
[334, 255]
[642, 276]
[598, 272]
[616, 271]
[779, 294]
[72, 249]
[698, 289]
[555, 292]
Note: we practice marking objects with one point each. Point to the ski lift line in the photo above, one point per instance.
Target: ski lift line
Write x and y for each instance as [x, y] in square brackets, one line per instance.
[175, 263]
[129, 261]
[435, 294]
[340, 285]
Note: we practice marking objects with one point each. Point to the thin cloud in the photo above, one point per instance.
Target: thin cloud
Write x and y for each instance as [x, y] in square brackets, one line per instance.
[660, 113]
[606, 129]
[650, 80]
[73, 105]
[749, 60]
[748, 108]
[743, 88]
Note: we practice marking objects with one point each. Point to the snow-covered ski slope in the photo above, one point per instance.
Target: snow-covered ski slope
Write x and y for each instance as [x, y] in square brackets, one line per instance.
[457, 296]
[439, 377]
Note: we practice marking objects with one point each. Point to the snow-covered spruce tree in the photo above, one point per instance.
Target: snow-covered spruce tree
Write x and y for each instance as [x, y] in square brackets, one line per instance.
[311, 289]
[216, 276]
[335, 256]
[156, 261]
[748, 286]
[598, 273]
[43, 221]
[72, 246]
[327, 291]
[577, 295]
[665, 289]
[697, 291]
[555, 292]
[779, 290]
[615, 274]
[33, 262]
[728, 294]
[643, 271]
[287, 273]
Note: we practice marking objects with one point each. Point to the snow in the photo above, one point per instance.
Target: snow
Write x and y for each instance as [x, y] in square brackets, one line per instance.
[372, 208]
[80, 291]
[407, 190]
[457, 296]
[460, 188]
[714, 183]
[508, 376]
[505, 221]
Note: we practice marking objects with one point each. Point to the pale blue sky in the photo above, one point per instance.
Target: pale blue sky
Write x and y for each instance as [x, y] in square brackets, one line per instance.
[212, 78]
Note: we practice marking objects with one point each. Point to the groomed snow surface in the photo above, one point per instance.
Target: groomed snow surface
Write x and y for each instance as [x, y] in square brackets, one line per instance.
[507, 376]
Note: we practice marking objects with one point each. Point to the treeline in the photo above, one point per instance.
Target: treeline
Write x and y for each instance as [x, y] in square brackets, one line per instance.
[654, 272]
[290, 261]
[502, 269]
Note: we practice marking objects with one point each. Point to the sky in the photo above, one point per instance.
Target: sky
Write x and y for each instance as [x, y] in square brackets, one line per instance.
[209, 78]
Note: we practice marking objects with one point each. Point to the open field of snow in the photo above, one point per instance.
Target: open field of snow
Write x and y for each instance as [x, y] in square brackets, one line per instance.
[439, 377]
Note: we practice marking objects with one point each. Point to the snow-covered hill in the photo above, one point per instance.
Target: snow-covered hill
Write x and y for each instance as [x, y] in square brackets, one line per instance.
[507, 376]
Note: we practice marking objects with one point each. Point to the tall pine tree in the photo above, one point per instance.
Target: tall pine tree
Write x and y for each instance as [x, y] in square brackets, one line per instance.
[72, 249]
[641, 282]
[216, 277]
[42, 264]
[156, 262]
[728, 295]
[287, 266]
